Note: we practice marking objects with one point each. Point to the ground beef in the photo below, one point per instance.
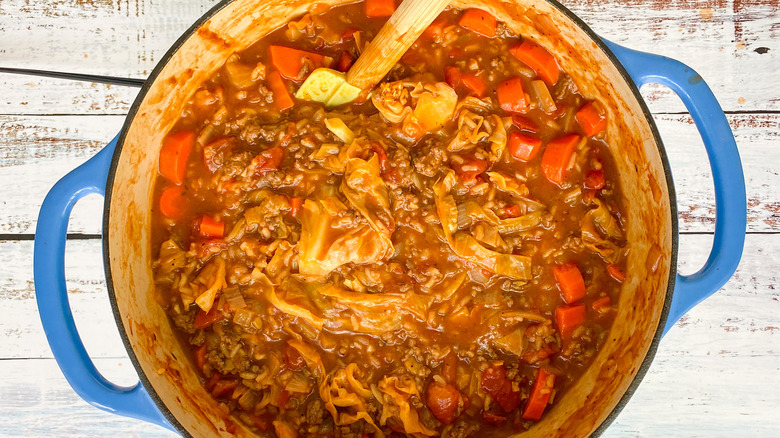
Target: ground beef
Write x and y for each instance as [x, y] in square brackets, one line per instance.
[463, 429]
[429, 163]
[315, 412]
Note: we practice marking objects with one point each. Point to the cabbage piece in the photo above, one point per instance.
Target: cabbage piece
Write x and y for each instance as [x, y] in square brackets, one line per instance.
[326, 244]
[269, 291]
[206, 299]
[498, 138]
[466, 246]
[512, 343]
[397, 391]
[603, 219]
[470, 213]
[508, 184]
[421, 107]
[340, 129]
[520, 224]
[365, 189]
[341, 389]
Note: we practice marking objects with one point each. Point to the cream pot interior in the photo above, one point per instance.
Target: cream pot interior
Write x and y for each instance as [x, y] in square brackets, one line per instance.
[163, 363]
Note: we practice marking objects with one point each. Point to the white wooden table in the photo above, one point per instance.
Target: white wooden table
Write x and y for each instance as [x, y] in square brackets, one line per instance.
[717, 372]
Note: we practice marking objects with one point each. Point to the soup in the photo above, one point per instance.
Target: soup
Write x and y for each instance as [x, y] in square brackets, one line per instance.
[442, 257]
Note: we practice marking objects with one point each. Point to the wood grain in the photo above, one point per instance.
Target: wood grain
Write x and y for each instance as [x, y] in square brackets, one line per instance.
[727, 42]
[695, 387]
[58, 144]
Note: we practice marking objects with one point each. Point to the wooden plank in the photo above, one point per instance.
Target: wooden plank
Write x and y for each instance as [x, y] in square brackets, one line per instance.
[712, 374]
[731, 43]
[32, 95]
[58, 144]
[37, 401]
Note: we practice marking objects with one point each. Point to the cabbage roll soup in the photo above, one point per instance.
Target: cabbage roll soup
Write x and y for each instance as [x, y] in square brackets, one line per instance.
[441, 257]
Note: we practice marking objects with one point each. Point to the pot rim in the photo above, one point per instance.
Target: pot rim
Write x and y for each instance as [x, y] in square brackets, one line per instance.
[154, 75]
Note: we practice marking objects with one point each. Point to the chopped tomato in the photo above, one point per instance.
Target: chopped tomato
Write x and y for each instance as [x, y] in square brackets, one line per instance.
[511, 211]
[452, 76]
[442, 400]
[493, 379]
[595, 180]
[471, 167]
[381, 154]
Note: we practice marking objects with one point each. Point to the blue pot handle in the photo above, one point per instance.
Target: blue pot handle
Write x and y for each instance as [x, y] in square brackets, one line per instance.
[730, 198]
[52, 296]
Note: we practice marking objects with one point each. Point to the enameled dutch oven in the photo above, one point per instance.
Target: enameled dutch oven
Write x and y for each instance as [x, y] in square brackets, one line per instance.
[652, 298]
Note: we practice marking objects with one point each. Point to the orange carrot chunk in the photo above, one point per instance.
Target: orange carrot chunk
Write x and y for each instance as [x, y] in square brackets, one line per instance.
[379, 8]
[474, 84]
[616, 273]
[556, 157]
[174, 154]
[511, 96]
[570, 282]
[568, 318]
[479, 21]
[172, 202]
[602, 305]
[452, 76]
[524, 147]
[211, 227]
[282, 97]
[539, 59]
[590, 119]
[540, 395]
[290, 62]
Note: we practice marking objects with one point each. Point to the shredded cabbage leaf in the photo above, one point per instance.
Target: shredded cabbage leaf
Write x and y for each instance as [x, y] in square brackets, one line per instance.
[466, 246]
[421, 107]
[396, 392]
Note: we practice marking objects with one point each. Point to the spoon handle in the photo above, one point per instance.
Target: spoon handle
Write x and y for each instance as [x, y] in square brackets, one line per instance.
[393, 40]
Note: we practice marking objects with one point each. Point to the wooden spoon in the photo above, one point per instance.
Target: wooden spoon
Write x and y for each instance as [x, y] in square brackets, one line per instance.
[401, 30]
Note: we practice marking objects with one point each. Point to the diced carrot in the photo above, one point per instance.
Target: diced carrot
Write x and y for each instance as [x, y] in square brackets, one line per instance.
[539, 59]
[594, 180]
[379, 8]
[524, 147]
[203, 319]
[344, 62]
[174, 154]
[172, 202]
[295, 64]
[602, 305]
[616, 273]
[590, 119]
[295, 206]
[474, 83]
[524, 123]
[556, 156]
[479, 21]
[269, 159]
[540, 395]
[200, 357]
[282, 97]
[208, 226]
[568, 318]
[511, 96]
[570, 282]
[452, 76]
